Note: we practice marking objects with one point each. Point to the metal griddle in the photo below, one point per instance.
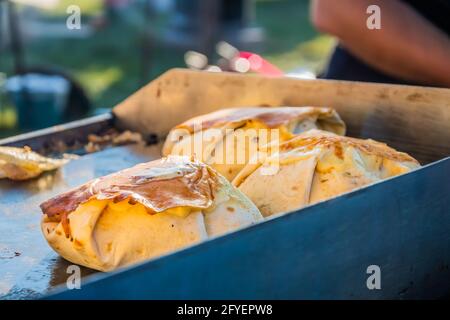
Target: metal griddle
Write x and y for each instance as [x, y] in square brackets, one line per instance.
[402, 224]
[28, 266]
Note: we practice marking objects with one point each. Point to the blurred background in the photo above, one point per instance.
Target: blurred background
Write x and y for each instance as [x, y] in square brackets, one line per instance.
[54, 70]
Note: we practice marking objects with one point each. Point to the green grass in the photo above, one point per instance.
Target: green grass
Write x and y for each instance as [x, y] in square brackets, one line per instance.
[88, 7]
[108, 64]
[292, 41]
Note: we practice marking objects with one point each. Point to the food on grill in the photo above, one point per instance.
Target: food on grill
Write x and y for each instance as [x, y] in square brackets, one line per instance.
[142, 212]
[114, 138]
[228, 138]
[316, 166]
[23, 164]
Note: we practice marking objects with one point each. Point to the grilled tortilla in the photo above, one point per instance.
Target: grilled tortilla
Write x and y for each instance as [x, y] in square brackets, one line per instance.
[143, 212]
[229, 138]
[24, 164]
[316, 166]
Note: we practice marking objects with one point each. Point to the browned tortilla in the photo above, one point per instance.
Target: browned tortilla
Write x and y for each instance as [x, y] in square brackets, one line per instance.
[271, 117]
[370, 147]
[158, 185]
[105, 224]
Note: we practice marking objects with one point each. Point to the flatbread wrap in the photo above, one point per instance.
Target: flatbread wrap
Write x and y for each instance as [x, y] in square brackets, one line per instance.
[22, 163]
[143, 212]
[315, 166]
[227, 139]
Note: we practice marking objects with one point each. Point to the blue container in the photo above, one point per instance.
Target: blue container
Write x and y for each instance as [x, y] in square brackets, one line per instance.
[40, 100]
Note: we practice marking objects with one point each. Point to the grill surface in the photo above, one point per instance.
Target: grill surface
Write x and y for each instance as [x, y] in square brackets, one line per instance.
[28, 266]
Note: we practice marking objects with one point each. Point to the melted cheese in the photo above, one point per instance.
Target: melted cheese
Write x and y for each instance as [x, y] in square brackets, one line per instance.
[125, 207]
[284, 132]
[181, 212]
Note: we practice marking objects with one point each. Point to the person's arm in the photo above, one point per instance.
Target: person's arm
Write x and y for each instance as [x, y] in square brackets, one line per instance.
[407, 46]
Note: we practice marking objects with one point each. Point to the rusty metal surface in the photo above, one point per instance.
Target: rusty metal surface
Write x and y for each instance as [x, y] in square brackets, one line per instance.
[28, 266]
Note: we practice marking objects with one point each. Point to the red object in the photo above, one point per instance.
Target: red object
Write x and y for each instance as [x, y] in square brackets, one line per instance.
[260, 65]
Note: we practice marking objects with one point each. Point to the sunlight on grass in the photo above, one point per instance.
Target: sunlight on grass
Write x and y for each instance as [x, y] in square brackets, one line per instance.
[88, 7]
[96, 82]
[312, 55]
[8, 118]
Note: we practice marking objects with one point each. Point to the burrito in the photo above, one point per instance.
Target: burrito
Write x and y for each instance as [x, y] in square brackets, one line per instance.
[315, 166]
[229, 138]
[142, 212]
